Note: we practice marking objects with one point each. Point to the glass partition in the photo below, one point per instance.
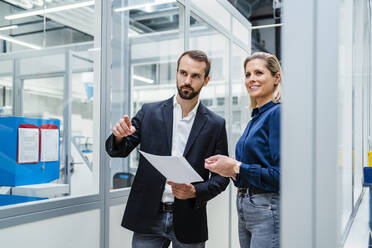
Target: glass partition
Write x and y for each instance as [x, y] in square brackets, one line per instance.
[240, 100]
[43, 97]
[55, 102]
[66, 22]
[215, 45]
[353, 109]
[6, 95]
[6, 87]
[145, 43]
[220, 14]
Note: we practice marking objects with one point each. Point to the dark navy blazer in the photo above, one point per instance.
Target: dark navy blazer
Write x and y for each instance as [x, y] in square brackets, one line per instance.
[154, 126]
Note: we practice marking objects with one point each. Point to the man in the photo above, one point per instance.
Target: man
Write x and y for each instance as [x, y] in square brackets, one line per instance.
[161, 212]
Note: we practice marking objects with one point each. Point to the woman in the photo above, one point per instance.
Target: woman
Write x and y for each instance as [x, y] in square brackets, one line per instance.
[256, 169]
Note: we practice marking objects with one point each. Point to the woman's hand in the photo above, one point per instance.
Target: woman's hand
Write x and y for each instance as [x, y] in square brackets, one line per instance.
[221, 165]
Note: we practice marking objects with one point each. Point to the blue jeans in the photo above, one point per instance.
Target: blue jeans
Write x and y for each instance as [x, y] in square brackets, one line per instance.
[258, 217]
[162, 237]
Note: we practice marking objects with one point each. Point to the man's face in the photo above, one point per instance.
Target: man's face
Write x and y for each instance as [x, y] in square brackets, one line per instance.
[190, 77]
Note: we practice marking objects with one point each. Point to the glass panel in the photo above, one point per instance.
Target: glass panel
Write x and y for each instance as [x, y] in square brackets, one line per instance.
[240, 98]
[82, 150]
[215, 45]
[6, 96]
[241, 32]
[345, 116]
[82, 60]
[358, 118]
[220, 14]
[145, 47]
[6, 66]
[72, 25]
[46, 64]
[43, 97]
[50, 147]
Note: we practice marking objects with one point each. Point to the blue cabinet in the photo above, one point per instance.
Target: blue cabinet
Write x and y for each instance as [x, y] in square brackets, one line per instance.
[16, 174]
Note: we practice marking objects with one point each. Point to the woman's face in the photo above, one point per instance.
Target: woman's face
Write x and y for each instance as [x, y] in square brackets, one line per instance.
[259, 82]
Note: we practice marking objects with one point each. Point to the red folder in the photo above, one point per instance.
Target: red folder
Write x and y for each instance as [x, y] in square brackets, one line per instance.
[25, 126]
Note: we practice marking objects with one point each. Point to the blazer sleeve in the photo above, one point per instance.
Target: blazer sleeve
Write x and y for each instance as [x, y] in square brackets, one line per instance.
[128, 143]
[215, 184]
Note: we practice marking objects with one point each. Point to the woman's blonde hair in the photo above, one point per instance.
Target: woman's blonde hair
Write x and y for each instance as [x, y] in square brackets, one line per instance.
[272, 63]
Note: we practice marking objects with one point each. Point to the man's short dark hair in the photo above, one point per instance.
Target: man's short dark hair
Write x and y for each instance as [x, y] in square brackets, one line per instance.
[198, 56]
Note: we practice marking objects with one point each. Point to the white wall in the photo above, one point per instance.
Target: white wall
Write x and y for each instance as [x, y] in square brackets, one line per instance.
[218, 220]
[68, 231]
[119, 236]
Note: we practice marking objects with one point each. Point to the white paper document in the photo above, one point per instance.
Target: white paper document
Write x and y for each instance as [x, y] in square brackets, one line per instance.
[49, 145]
[28, 145]
[175, 169]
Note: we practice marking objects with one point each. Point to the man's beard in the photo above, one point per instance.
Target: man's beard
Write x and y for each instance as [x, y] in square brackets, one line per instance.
[191, 92]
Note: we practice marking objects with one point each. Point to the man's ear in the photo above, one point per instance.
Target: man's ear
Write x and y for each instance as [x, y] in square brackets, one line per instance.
[206, 81]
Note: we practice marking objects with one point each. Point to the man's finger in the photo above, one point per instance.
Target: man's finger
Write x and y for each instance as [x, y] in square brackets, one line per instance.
[213, 158]
[127, 121]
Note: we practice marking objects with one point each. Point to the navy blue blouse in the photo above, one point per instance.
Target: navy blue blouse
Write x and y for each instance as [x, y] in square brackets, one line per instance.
[259, 150]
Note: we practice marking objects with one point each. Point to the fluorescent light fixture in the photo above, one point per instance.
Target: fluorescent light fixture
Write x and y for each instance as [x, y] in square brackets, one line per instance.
[7, 38]
[146, 5]
[267, 26]
[143, 79]
[49, 10]
[8, 27]
[94, 49]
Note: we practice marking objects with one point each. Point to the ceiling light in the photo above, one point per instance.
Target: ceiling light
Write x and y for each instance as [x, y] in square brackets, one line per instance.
[7, 38]
[49, 10]
[94, 49]
[267, 26]
[8, 27]
[143, 79]
[146, 5]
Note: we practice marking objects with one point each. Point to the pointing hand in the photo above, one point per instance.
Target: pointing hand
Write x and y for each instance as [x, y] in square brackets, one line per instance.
[123, 128]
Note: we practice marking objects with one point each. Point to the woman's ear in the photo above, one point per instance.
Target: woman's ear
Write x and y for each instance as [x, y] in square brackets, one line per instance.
[277, 78]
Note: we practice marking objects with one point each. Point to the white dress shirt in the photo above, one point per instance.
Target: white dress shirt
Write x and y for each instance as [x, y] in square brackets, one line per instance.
[180, 135]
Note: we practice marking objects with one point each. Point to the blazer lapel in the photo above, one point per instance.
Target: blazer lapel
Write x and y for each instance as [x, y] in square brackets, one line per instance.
[168, 121]
[199, 122]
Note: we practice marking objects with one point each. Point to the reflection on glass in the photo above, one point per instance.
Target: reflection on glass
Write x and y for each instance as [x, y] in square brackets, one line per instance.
[145, 48]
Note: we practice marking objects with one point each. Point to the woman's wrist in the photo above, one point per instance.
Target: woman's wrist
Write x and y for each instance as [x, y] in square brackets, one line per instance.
[236, 168]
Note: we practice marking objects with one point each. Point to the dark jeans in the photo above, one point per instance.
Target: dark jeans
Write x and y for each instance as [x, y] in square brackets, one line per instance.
[162, 237]
[258, 217]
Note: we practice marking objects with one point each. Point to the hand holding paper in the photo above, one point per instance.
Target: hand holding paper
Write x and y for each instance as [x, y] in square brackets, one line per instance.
[183, 191]
[174, 169]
